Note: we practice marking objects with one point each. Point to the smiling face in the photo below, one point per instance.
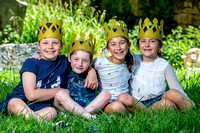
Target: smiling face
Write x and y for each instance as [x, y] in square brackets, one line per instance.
[80, 61]
[118, 47]
[49, 48]
[149, 48]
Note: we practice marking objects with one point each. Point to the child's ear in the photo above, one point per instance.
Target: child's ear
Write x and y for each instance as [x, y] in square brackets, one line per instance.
[62, 44]
[160, 45]
[129, 44]
[38, 45]
[69, 59]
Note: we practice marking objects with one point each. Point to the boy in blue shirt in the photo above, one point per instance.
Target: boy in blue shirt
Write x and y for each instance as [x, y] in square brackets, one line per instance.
[80, 99]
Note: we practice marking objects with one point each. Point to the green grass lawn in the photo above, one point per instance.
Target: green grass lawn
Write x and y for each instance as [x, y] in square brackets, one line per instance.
[162, 121]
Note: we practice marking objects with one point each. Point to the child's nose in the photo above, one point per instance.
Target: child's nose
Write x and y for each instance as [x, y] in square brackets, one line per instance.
[50, 45]
[80, 63]
[147, 43]
[118, 46]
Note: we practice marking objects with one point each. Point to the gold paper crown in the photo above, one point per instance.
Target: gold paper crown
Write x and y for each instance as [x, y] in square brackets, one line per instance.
[148, 30]
[52, 32]
[82, 43]
[115, 30]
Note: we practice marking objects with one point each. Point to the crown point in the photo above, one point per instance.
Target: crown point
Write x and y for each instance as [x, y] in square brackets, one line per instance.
[82, 35]
[146, 20]
[90, 36]
[155, 21]
[161, 22]
[61, 22]
[53, 20]
[44, 21]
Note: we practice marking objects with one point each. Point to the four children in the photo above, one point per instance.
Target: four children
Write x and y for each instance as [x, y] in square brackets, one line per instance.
[51, 81]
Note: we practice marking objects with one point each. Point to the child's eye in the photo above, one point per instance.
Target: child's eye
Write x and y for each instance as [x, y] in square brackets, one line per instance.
[85, 60]
[55, 42]
[122, 42]
[45, 42]
[112, 44]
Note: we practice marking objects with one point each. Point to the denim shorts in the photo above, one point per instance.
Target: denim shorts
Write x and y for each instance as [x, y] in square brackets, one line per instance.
[150, 102]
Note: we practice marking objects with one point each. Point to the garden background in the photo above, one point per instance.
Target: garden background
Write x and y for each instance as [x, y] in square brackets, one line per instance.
[85, 16]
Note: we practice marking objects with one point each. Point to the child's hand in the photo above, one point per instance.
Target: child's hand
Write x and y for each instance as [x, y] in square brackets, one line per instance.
[36, 56]
[91, 79]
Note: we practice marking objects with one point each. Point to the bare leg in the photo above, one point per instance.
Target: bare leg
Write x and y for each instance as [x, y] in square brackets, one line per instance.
[130, 102]
[117, 107]
[19, 107]
[47, 113]
[99, 102]
[180, 100]
[63, 101]
[163, 104]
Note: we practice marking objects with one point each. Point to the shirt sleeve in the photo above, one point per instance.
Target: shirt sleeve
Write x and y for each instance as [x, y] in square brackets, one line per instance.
[30, 66]
[172, 80]
[95, 64]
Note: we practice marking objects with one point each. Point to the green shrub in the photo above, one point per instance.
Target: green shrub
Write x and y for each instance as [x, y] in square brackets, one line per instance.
[161, 9]
[178, 43]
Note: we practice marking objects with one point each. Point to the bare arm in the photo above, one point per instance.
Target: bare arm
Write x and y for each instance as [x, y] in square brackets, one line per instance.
[91, 79]
[34, 94]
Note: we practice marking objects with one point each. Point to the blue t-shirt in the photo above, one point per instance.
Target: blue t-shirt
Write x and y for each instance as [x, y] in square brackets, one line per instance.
[75, 84]
[49, 74]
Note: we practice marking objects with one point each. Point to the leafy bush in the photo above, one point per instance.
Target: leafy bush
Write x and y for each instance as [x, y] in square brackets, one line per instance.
[178, 43]
[120, 9]
[161, 9]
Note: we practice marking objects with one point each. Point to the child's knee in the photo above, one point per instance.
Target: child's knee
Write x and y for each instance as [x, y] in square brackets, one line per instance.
[114, 107]
[60, 95]
[173, 93]
[123, 97]
[12, 104]
[106, 95]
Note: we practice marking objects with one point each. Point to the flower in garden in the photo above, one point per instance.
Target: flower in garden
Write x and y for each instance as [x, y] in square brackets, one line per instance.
[173, 64]
[92, 128]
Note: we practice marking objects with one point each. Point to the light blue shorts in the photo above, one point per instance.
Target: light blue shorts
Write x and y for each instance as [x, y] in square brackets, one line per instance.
[150, 102]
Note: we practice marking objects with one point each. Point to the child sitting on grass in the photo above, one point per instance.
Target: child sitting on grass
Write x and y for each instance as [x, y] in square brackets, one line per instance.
[115, 71]
[81, 100]
[149, 76]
